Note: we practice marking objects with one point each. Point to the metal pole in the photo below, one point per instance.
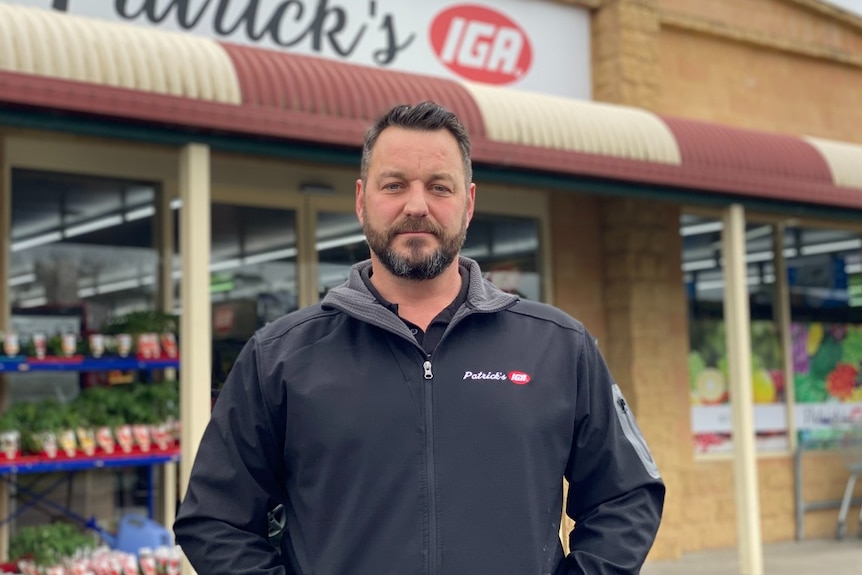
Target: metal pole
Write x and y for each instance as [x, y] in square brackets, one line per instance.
[738, 333]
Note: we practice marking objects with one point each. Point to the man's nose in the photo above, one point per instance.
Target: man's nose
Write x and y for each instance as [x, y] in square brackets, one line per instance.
[417, 203]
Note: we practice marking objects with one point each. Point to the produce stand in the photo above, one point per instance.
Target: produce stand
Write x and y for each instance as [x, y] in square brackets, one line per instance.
[35, 493]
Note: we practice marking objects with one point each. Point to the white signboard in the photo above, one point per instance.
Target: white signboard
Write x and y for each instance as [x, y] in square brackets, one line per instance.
[533, 45]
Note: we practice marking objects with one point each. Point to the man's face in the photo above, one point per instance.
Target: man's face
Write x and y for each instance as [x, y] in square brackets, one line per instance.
[415, 204]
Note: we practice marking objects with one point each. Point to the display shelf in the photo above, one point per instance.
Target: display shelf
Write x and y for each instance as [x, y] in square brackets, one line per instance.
[41, 464]
[81, 363]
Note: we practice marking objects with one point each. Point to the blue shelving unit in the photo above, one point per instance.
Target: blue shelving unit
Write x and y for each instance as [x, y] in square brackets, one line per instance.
[69, 466]
[28, 364]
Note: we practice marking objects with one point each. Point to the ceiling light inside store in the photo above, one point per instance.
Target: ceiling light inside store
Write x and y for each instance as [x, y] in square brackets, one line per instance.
[338, 242]
[269, 256]
[699, 265]
[841, 246]
[95, 225]
[140, 213]
[704, 228]
[37, 241]
[22, 280]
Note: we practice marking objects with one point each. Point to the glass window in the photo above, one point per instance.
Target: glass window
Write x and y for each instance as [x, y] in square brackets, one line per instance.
[252, 276]
[82, 252]
[822, 267]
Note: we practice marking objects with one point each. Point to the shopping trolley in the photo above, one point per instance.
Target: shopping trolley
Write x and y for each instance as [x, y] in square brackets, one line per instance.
[851, 448]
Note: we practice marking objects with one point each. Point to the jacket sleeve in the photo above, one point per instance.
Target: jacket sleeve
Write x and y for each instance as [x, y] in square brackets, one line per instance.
[222, 523]
[616, 494]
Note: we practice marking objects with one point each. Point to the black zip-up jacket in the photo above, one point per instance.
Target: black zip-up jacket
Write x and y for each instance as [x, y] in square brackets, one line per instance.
[393, 461]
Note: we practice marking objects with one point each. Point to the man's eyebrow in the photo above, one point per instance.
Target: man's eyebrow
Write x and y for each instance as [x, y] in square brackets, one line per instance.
[391, 174]
[446, 176]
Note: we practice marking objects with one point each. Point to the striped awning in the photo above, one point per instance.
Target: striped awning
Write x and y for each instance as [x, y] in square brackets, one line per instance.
[53, 61]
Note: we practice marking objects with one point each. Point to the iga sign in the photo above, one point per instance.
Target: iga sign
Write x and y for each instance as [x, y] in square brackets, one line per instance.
[515, 43]
[481, 44]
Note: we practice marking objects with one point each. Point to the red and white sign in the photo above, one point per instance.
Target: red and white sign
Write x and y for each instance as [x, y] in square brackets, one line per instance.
[519, 377]
[534, 45]
[481, 44]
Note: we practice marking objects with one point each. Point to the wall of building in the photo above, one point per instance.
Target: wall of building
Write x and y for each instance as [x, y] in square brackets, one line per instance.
[760, 64]
[775, 65]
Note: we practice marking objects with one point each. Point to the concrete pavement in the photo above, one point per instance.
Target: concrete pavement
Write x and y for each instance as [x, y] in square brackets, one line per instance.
[808, 557]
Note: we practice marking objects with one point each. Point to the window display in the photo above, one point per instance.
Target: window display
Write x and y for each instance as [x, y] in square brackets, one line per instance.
[822, 266]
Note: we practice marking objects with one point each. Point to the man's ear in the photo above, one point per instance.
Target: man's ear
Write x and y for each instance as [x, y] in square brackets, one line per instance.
[360, 192]
[471, 202]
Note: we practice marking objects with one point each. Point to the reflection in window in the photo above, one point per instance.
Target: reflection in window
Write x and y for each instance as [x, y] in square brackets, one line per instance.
[506, 247]
[823, 266]
[252, 276]
[81, 239]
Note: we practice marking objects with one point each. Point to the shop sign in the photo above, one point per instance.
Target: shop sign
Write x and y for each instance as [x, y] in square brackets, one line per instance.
[514, 43]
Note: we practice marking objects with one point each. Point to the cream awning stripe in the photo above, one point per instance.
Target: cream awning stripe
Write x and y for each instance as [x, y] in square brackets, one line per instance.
[47, 43]
[549, 121]
[844, 161]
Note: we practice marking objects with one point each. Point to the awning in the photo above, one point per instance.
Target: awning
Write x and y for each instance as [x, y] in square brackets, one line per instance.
[53, 61]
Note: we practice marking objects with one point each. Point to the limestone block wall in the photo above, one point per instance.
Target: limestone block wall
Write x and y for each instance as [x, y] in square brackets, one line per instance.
[779, 65]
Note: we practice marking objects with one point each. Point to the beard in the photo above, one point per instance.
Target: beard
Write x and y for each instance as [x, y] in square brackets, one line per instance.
[415, 264]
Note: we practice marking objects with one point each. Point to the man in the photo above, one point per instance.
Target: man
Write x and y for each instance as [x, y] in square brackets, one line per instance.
[419, 420]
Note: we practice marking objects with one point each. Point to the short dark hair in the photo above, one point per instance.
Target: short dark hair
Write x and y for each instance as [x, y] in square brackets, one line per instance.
[427, 116]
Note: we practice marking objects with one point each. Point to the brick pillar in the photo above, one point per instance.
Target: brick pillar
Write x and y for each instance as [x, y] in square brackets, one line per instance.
[647, 341]
[625, 42]
[645, 306]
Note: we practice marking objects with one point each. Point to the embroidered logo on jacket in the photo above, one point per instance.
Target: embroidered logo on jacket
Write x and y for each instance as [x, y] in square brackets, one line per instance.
[516, 377]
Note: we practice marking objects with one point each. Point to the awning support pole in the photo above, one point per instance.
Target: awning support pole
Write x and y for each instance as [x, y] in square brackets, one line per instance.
[738, 333]
[195, 318]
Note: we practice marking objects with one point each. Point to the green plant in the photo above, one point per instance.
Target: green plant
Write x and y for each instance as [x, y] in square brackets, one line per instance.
[49, 544]
[142, 322]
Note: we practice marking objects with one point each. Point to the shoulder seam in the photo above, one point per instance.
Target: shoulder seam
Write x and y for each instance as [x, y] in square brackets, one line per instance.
[578, 327]
[296, 323]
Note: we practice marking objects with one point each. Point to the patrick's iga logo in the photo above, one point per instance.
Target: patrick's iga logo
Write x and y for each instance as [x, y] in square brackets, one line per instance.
[516, 377]
[481, 44]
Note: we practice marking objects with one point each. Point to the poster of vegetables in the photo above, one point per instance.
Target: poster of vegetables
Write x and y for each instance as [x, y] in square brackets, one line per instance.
[826, 362]
[827, 381]
[827, 378]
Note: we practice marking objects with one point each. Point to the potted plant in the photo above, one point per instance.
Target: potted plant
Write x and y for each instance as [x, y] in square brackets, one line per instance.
[10, 436]
[47, 545]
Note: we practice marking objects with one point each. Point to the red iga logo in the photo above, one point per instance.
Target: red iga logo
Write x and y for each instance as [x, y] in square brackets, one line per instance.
[519, 377]
[481, 44]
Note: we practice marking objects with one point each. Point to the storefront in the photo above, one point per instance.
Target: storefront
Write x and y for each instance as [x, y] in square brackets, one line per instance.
[144, 169]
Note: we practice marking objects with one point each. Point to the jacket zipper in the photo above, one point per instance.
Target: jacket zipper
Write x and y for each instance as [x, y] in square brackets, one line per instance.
[429, 455]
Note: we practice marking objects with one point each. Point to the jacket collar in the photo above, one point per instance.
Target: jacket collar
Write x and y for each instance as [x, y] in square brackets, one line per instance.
[482, 295]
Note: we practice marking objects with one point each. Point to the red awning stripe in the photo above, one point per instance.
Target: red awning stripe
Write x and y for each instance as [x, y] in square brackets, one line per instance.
[730, 153]
[329, 89]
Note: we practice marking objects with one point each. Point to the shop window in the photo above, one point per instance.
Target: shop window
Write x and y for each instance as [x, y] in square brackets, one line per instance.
[506, 247]
[81, 241]
[252, 276]
[826, 328]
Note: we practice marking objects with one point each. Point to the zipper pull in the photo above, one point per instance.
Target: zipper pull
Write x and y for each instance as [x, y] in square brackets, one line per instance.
[427, 367]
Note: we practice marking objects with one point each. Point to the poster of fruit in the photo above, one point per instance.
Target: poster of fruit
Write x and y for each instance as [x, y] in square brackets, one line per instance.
[827, 381]
[710, 386]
